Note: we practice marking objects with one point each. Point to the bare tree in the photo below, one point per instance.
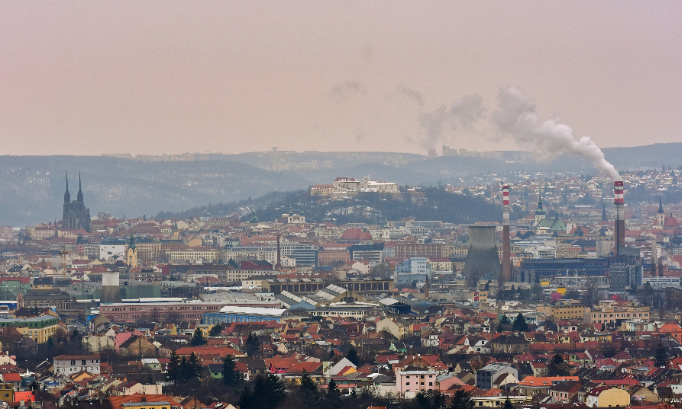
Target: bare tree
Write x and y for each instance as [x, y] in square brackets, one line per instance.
[590, 291]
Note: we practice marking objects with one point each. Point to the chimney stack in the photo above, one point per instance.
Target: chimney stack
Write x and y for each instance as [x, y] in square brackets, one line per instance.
[619, 239]
[278, 266]
[506, 240]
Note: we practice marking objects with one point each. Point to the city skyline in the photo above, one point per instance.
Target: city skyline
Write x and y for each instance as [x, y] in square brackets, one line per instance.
[176, 77]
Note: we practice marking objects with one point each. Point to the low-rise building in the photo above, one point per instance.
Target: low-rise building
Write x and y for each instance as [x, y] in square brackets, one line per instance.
[70, 364]
[563, 310]
[410, 382]
[487, 376]
[607, 313]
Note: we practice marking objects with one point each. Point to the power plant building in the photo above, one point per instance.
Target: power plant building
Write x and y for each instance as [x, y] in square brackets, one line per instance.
[482, 260]
[231, 314]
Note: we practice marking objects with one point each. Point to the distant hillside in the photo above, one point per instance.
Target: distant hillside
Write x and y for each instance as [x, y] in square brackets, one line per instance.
[429, 204]
[646, 157]
[32, 187]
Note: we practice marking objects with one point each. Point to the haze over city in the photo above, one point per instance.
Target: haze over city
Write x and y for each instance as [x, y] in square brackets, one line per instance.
[171, 77]
[340, 205]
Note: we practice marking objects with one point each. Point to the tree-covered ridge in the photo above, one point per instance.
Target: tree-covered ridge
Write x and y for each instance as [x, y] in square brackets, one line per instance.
[427, 204]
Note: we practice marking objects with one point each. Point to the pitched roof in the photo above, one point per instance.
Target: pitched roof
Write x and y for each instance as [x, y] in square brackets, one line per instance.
[545, 380]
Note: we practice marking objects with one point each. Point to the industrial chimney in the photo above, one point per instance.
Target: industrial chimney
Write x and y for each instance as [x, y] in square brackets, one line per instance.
[506, 240]
[278, 266]
[619, 239]
[482, 259]
[111, 291]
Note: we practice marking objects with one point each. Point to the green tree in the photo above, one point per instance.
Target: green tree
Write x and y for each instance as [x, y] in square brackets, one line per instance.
[332, 399]
[550, 325]
[184, 373]
[520, 324]
[268, 392]
[195, 366]
[190, 369]
[252, 345]
[508, 404]
[461, 400]
[173, 368]
[307, 391]
[76, 336]
[198, 338]
[245, 400]
[231, 377]
[661, 356]
[352, 355]
[558, 366]
[429, 400]
[503, 323]
[216, 330]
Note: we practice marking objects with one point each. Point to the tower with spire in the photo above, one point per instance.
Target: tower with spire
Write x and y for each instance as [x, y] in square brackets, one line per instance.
[540, 213]
[79, 196]
[131, 253]
[67, 195]
[75, 215]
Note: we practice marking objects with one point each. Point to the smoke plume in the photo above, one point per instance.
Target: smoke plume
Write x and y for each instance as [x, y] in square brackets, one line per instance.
[515, 116]
[461, 114]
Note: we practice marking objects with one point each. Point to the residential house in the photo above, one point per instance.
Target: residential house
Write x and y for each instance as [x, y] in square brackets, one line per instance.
[605, 397]
[70, 364]
[564, 392]
[410, 382]
[509, 344]
[492, 374]
[533, 385]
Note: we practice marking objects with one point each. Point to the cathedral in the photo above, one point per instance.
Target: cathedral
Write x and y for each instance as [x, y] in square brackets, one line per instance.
[76, 215]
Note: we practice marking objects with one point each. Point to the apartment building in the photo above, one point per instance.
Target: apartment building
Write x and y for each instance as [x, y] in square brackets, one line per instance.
[609, 313]
[563, 310]
[70, 364]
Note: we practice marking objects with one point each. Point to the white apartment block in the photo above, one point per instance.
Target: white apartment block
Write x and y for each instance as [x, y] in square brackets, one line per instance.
[70, 364]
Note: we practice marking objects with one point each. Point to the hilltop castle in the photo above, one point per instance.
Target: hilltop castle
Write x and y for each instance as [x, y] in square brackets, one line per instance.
[76, 215]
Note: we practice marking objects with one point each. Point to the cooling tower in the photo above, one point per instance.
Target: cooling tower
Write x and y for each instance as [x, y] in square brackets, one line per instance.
[111, 291]
[481, 260]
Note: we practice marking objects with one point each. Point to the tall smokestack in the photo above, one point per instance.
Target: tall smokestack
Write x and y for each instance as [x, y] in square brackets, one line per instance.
[278, 266]
[620, 220]
[506, 240]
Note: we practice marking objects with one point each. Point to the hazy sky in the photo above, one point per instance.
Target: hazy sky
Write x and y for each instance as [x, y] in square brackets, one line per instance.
[84, 77]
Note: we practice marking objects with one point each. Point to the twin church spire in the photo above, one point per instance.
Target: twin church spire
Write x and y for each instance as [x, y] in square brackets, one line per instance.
[79, 195]
[76, 215]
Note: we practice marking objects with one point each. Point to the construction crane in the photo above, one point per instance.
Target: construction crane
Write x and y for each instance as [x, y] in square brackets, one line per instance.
[64, 253]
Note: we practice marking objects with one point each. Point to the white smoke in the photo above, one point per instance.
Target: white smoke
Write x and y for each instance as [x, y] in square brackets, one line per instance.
[460, 115]
[515, 116]
[665, 259]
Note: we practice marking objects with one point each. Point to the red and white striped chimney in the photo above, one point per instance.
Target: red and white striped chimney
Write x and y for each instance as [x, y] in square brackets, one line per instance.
[619, 201]
[506, 240]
